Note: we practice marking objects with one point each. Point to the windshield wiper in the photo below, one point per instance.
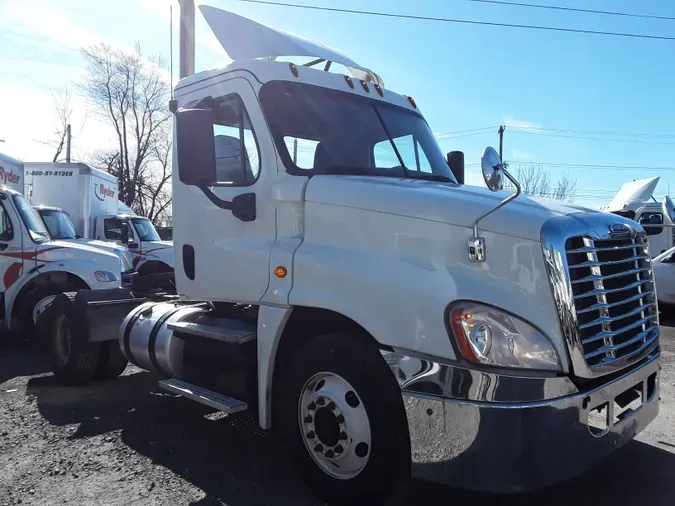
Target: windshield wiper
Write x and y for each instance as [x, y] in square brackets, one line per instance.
[430, 177]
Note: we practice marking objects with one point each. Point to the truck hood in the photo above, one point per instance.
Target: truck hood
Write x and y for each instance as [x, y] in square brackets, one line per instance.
[108, 246]
[633, 192]
[56, 251]
[442, 202]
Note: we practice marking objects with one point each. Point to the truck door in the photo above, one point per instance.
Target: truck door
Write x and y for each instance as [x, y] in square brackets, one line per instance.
[220, 256]
[11, 248]
[652, 221]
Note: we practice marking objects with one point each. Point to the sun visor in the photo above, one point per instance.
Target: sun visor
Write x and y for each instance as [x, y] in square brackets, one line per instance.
[244, 39]
[634, 192]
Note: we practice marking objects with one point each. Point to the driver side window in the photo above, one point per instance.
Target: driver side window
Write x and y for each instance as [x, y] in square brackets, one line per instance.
[6, 229]
[652, 219]
[408, 148]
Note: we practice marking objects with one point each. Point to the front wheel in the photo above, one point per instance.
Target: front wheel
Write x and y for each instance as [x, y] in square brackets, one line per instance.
[341, 414]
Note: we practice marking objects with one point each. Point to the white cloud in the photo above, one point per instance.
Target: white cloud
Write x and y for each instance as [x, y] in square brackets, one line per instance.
[510, 121]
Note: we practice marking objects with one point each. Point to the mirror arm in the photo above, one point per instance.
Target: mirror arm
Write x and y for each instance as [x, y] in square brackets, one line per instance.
[500, 205]
[242, 206]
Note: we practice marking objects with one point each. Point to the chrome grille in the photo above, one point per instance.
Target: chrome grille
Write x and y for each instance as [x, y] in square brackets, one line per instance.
[614, 299]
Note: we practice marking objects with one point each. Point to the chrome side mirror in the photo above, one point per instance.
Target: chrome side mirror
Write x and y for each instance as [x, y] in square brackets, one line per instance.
[492, 168]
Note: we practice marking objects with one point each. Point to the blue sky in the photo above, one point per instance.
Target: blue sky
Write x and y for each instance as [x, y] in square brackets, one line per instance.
[463, 77]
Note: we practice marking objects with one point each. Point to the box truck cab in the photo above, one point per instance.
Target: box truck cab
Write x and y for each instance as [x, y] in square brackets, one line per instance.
[635, 201]
[61, 228]
[90, 198]
[33, 266]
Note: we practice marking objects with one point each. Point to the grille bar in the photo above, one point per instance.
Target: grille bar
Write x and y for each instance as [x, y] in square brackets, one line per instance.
[610, 262]
[610, 319]
[597, 307]
[651, 340]
[595, 293]
[600, 277]
[604, 335]
[592, 249]
[603, 351]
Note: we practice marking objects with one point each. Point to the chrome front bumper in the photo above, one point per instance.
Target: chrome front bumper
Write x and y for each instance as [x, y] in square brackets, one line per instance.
[485, 431]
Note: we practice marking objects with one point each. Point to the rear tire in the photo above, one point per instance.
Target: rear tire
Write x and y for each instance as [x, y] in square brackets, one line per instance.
[341, 415]
[74, 360]
[111, 361]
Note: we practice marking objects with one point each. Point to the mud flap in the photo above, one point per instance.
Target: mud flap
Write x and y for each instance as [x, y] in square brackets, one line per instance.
[103, 311]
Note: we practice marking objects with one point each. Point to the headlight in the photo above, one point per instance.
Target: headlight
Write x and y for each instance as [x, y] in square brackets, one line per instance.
[489, 336]
[105, 276]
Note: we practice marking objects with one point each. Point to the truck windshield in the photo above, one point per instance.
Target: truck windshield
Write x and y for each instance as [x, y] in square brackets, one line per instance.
[325, 131]
[31, 220]
[145, 229]
[58, 223]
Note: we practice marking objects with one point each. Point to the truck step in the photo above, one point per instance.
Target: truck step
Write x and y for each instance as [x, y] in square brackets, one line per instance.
[203, 396]
[231, 336]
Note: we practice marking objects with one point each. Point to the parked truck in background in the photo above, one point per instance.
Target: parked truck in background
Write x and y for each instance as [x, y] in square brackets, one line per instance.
[386, 318]
[635, 201]
[34, 268]
[90, 198]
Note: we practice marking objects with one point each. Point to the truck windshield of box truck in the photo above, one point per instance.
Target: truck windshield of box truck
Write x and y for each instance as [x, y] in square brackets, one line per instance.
[31, 220]
[145, 230]
[363, 136]
[58, 223]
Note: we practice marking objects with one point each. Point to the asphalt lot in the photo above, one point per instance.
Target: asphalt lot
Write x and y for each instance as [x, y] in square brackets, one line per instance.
[124, 442]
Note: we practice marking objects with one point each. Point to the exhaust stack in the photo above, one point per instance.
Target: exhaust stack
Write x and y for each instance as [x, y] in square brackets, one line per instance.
[187, 38]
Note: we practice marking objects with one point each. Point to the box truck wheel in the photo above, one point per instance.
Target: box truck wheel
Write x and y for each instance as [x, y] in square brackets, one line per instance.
[341, 413]
[111, 361]
[35, 302]
[74, 360]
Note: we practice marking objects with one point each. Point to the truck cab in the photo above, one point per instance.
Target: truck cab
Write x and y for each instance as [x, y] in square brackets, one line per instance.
[61, 228]
[148, 252]
[635, 201]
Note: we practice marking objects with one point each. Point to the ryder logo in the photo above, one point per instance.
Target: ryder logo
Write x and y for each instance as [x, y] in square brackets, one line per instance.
[102, 191]
[8, 176]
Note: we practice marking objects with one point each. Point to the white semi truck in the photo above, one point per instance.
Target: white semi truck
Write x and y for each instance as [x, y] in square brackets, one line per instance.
[385, 318]
[34, 268]
[635, 201]
[89, 197]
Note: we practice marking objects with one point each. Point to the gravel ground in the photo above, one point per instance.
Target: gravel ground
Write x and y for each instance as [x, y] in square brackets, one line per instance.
[124, 442]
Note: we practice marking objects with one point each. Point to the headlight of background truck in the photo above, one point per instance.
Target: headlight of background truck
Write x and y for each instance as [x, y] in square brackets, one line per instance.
[487, 335]
[104, 276]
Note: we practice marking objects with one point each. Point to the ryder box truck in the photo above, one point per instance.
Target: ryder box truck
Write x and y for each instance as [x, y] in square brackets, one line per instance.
[91, 199]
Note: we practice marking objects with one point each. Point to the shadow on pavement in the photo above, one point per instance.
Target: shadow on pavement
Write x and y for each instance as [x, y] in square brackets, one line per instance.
[18, 361]
[235, 462]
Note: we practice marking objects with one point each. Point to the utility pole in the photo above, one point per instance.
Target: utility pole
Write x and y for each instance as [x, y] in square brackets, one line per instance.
[68, 143]
[501, 141]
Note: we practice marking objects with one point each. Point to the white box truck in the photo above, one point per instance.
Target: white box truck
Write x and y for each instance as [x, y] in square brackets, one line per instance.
[386, 318]
[34, 268]
[90, 198]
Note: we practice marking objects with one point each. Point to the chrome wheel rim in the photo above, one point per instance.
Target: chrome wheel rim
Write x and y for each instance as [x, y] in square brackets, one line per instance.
[334, 425]
[62, 340]
[41, 307]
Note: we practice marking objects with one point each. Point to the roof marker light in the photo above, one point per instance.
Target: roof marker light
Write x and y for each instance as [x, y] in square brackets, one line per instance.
[294, 69]
[349, 82]
[365, 86]
[412, 102]
[379, 89]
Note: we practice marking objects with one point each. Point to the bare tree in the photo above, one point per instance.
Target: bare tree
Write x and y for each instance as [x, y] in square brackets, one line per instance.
[534, 180]
[63, 113]
[130, 93]
[154, 190]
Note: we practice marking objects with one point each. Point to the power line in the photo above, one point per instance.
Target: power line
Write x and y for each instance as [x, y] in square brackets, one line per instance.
[575, 9]
[544, 134]
[462, 21]
[595, 132]
[584, 165]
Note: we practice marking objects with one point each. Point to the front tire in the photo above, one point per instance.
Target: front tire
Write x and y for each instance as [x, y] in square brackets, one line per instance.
[74, 360]
[341, 414]
[34, 305]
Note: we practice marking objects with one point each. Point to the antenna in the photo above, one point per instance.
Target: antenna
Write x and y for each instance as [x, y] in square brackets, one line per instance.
[171, 47]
